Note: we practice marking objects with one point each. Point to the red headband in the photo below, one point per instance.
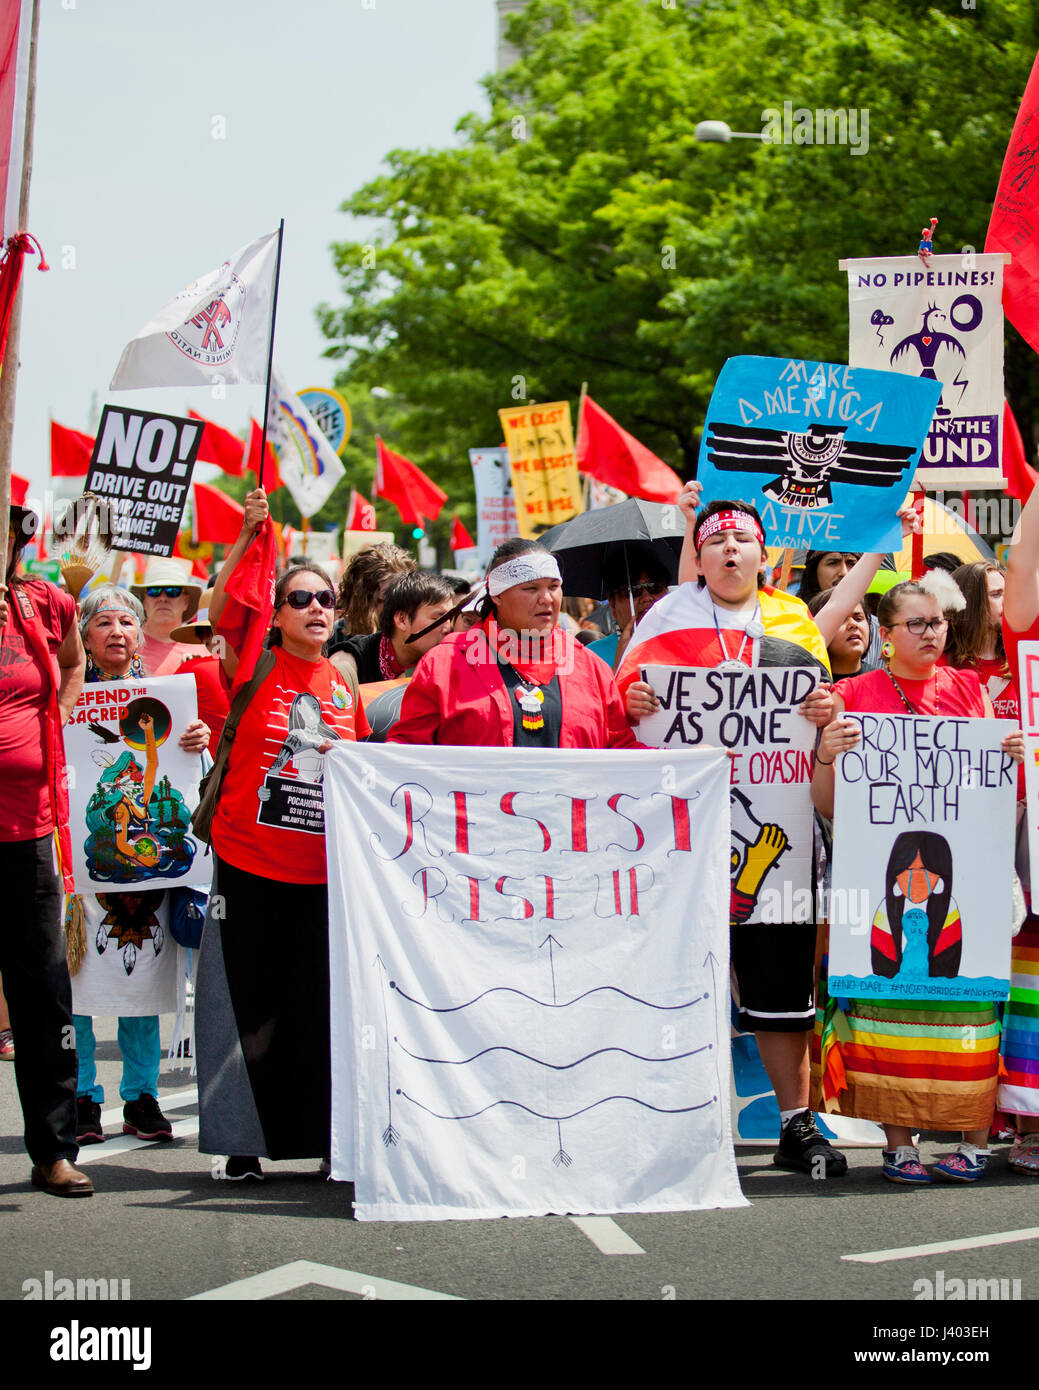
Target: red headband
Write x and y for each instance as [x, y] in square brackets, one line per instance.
[727, 521]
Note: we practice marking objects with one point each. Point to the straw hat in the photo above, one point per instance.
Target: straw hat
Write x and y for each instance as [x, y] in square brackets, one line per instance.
[172, 572]
[200, 629]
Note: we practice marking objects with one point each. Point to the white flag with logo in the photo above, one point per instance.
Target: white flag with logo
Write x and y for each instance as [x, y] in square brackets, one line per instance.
[308, 464]
[215, 329]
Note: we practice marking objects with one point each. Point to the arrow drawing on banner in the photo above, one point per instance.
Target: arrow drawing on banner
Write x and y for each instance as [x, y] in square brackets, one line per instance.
[389, 1134]
[561, 1159]
[713, 959]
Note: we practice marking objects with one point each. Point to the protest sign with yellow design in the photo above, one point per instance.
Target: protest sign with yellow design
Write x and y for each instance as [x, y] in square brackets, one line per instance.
[540, 441]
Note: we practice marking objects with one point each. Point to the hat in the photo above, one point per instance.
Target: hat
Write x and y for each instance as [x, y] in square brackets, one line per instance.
[25, 522]
[199, 629]
[172, 572]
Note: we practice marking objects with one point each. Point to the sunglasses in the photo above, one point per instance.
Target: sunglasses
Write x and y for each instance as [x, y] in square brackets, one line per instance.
[918, 626]
[303, 598]
[652, 587]
[170, 590]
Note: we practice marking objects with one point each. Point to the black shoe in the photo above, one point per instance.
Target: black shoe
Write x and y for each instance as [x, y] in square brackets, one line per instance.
[239, 1167]
[88, 1121]
[144, 1118]
[803, 1147]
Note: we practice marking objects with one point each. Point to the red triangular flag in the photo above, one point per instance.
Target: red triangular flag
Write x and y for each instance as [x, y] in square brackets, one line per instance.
[360, 515]
[249, 605]
[218, 518]
[221, 447]
[70, 452]
[19, 490]
[404, 484]
[611, 454]
[460, 537]
[1014, 213]
[1020, 475]
[271, 476]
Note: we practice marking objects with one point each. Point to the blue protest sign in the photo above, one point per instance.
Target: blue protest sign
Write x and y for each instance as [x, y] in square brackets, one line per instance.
[824, 451]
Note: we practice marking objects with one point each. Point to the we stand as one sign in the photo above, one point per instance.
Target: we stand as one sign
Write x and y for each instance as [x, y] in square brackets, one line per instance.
[142, 465]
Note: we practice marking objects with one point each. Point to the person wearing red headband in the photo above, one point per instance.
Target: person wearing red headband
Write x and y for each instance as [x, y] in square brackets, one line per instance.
[728, 618]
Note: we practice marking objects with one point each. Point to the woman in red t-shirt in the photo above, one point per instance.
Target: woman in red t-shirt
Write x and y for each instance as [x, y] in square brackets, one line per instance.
[975, 640]
[264, 1062]
[902, 1065]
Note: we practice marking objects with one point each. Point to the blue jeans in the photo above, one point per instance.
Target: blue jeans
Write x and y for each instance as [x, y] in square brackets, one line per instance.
[138, 1040]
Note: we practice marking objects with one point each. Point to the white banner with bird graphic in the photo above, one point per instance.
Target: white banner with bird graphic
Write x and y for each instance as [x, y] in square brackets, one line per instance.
[940, 319]
[530, 1002]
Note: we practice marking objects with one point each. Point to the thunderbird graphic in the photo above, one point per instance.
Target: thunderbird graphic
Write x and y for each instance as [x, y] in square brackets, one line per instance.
[805, 463]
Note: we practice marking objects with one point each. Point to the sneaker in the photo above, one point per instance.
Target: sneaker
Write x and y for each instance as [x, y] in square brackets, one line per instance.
[144, 1118]
[803, 1147]
[967, 1164]
[903, 1165]
[6, 1045]
[239, 1167]
[1024, 1156]
[88, 1121]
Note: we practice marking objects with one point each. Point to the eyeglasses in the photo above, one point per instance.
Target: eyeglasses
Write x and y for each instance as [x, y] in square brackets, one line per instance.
[303, 598]
[170, 590]
[652, 587]
[918, 626]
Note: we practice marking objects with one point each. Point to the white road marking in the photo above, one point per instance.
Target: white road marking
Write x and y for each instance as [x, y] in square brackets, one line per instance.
[606, 1235]
[943, 1247]
[299, 1273]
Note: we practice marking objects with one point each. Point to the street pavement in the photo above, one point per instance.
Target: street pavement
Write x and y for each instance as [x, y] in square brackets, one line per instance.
[160, 1221]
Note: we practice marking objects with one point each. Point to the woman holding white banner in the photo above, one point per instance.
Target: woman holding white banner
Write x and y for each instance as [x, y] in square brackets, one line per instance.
[936, 1082]
[262, 1010]
[109, 977]
[517, 679]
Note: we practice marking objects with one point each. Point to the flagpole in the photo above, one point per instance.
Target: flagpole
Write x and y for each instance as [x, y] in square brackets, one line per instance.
[270, 355]
[8, 378]
[580, 417]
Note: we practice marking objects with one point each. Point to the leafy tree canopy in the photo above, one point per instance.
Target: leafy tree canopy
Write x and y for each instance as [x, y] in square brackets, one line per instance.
[581, 232]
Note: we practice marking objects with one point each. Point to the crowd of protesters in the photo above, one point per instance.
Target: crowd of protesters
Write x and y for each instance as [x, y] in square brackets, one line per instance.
[416, 658]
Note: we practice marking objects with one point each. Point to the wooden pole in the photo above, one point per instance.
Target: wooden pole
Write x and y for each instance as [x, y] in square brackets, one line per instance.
[9, 375]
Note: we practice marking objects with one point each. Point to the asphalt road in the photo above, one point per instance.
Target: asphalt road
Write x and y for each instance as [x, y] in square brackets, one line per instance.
[160, 1222]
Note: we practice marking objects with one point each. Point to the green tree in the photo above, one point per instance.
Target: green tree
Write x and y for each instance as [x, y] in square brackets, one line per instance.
[581, 232]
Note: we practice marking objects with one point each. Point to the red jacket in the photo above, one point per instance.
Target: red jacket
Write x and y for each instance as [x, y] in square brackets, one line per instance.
[458, 696]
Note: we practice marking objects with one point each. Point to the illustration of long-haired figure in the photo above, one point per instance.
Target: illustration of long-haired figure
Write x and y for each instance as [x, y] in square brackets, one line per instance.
[917, 933]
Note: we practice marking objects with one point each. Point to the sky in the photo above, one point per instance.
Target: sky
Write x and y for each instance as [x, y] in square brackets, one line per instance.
[168, 136]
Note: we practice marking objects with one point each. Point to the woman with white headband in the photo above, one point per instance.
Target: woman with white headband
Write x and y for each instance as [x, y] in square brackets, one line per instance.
[516, 678]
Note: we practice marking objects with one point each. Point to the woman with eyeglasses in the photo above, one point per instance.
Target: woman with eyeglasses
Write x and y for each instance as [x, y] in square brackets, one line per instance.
[170, 595]
[262, 1016]
[903, 1064]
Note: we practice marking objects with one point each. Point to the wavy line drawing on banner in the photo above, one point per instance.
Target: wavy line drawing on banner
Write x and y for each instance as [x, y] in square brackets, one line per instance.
[561, 1157]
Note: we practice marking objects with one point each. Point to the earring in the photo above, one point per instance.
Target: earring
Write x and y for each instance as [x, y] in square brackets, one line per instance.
[887, 651]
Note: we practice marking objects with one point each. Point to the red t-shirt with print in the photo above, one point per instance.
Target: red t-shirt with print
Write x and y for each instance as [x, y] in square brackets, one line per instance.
[25, 808]
[270, 817]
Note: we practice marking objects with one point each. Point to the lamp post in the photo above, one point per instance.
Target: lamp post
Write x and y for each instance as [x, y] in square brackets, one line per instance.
[718, 130]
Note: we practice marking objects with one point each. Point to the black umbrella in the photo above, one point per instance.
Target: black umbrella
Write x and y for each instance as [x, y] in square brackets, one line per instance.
[581, 546]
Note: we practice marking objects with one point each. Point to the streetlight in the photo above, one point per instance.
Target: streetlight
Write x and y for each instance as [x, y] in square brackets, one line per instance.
[718, 130]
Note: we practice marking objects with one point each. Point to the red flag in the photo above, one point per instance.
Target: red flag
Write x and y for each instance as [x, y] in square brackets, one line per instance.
[1020, 475]
[218, 518]
[460, 537]
[360, 514]
[221, 447]
[404, 484]
[249, 605]
[615, 457]
[271, 476]
[184, 548]
[70, 452]
[19, 489]
[1013, 215]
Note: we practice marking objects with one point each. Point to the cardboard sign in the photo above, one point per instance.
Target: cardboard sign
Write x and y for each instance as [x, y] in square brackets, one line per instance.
[540, 441]
[142, 465]
[495, 503]
[923, 846]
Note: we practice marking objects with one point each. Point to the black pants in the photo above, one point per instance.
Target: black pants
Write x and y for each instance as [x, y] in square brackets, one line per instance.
[39, 998]
[275, 946]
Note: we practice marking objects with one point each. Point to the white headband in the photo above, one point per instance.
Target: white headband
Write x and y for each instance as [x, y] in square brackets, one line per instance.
[522, 569]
